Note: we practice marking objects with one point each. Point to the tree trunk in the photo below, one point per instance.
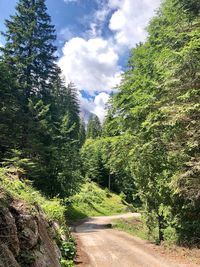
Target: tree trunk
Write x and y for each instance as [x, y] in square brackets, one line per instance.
[109, 181]
[160, 228]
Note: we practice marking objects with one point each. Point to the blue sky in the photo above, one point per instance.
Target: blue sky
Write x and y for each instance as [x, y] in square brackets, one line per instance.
[93, 39]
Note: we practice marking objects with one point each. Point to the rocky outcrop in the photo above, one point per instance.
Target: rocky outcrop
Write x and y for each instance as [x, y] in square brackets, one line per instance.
[26, 238]
[7, 258]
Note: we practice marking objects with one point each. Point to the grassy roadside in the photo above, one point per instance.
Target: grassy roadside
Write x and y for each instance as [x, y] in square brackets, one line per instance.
[133, 226]
[136, 227]
[95, 201]
[13, 189]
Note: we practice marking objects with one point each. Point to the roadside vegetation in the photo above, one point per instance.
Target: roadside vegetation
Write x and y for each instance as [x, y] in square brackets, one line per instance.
[12, 189]
[137, 228]
[133, 226]
[95, 201]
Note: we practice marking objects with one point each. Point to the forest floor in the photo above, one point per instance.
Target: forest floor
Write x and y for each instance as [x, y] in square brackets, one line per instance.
[101, 246]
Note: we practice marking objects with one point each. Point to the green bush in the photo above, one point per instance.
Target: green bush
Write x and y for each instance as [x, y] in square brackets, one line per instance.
[170, 236]
[67, 263]
[68, 248]
[94, 201]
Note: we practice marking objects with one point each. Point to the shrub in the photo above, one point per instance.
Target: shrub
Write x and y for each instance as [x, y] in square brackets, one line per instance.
[170, 235]
[68, 248]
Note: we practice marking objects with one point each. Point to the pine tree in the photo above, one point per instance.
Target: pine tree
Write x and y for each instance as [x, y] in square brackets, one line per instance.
[29, 51]
[49, 111]
[29, 46]
[10, 110]
[72, 104]
[82, 133]
[93, 127]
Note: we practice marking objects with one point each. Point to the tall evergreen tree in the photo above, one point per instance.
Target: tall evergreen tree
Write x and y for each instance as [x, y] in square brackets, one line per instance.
[29, 46]
[10, 110]
[49, 111]
[72, 105]
[82, 133]
[94, 127]
[29, 51]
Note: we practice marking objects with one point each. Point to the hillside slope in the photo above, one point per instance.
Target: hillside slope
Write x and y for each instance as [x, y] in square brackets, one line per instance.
[33, 229]
[95, 201]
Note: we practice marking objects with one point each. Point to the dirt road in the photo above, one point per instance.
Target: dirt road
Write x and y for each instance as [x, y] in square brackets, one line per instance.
[103, 247]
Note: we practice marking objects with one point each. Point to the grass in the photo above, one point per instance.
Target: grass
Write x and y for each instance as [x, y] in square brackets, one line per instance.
[91, 200]
[95, 201]
[12, 188]
[133, 226]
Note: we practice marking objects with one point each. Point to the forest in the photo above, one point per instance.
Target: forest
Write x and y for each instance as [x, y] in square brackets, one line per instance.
[148, 147]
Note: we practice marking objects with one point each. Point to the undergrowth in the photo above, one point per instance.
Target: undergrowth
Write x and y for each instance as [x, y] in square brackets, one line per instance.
[94, 201]
[11, 188]
[23, 190]
[133, 226]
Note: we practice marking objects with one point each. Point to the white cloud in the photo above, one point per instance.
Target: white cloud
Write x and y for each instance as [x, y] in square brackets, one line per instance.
[130, 19]
[96, 105]
[91, 64]
[100, 102]
[66, 33]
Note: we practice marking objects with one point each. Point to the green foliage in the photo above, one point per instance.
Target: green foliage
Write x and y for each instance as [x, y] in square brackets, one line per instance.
[29, 33]
[54, 209]
[67, 263]
[191, 6]
[68, 249]
[82, 133]
[24, 191]
[93, 127]
[170, 236]
[10, 110]
[105, 162]
[39, 116]
[94, 201]
[156, 116]
[134, 227]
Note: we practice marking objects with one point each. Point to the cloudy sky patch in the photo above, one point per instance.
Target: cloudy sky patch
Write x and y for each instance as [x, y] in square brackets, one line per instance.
[94, 38]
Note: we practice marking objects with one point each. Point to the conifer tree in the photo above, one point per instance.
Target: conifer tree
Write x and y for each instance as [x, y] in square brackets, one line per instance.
[82, 133]
[29, 46]
[72, 104]
[48, 110]
[93, 127]
[9, 110]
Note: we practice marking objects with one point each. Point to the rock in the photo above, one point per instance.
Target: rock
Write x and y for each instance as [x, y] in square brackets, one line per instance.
[49, 253]
[8, 231]
[7, 258]
[27, 238]
[28, 231]
[26, 224]
[55, 228]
